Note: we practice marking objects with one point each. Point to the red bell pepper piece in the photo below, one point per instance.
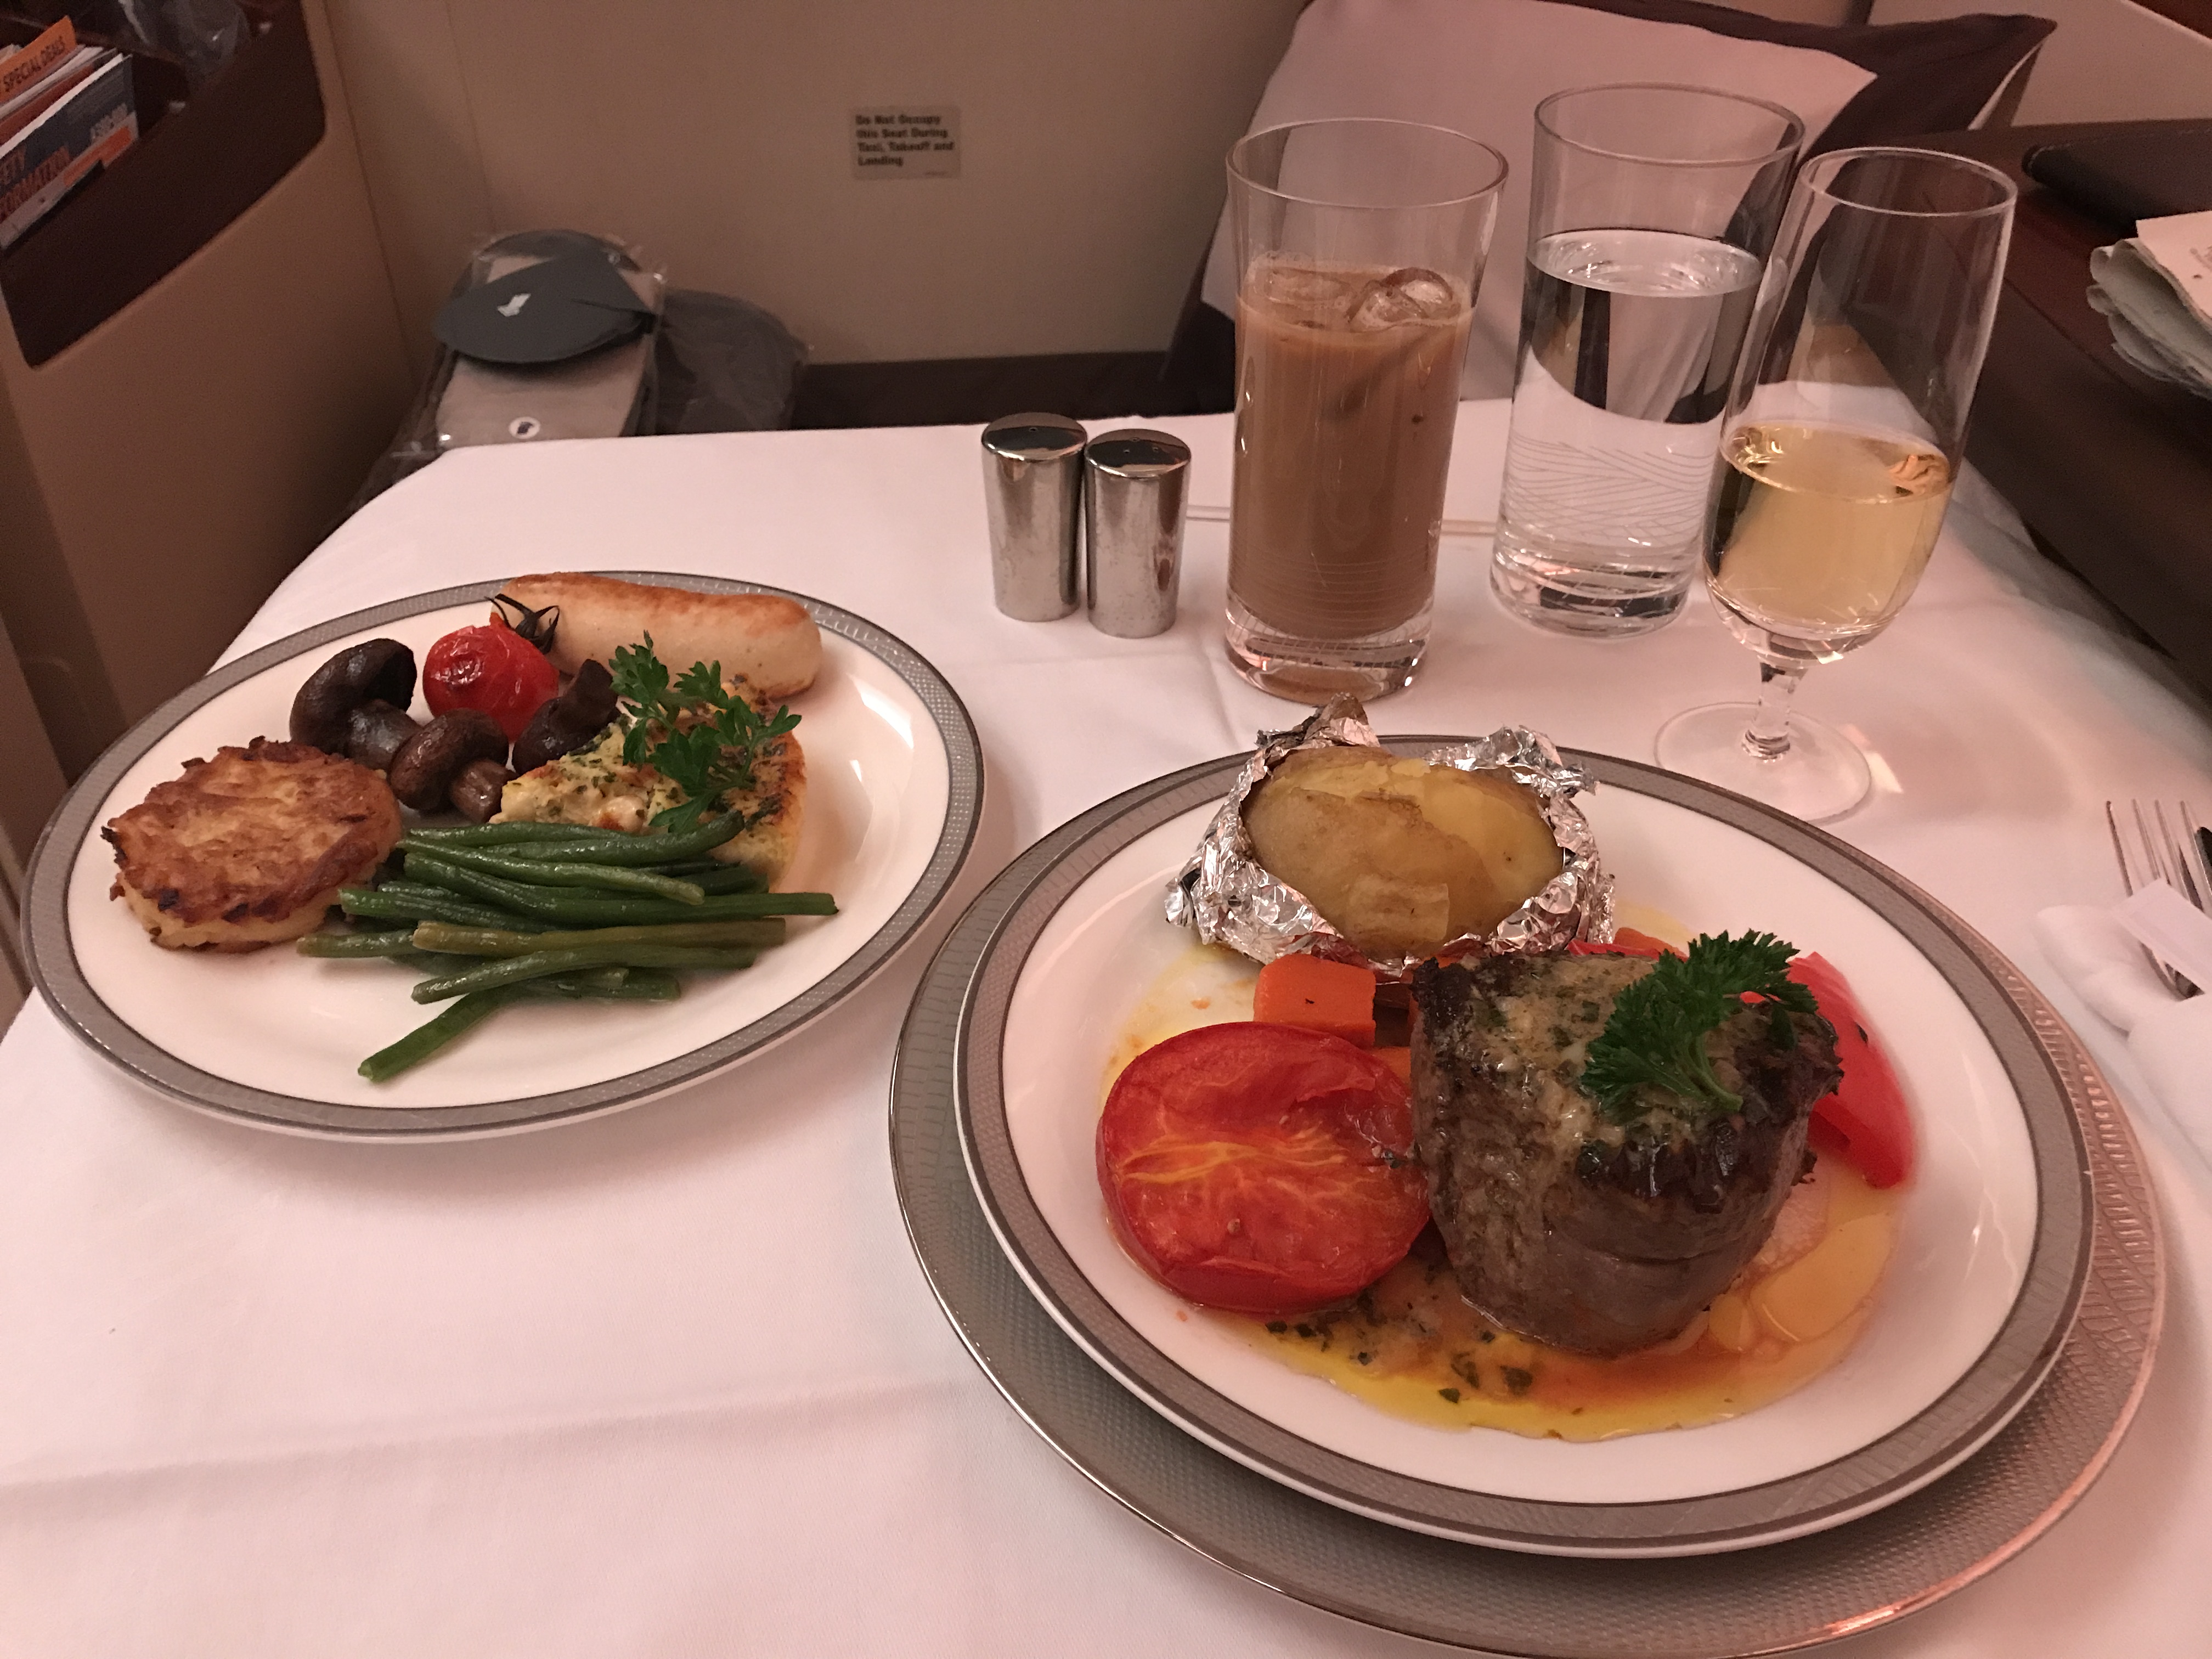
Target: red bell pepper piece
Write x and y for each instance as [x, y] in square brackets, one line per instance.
[1866, 1120]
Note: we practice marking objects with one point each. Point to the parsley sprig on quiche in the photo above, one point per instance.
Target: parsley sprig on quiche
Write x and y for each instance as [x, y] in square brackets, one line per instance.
[701, 736]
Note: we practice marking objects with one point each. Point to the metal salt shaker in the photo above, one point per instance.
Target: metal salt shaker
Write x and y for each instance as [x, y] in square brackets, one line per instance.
[1135, 481]
[1033, 488]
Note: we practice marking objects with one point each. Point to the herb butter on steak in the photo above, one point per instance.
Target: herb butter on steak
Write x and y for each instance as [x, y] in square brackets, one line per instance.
[1562, 1222]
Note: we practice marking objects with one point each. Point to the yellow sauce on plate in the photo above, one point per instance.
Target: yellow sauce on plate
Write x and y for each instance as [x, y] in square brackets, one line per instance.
[1411, 1346]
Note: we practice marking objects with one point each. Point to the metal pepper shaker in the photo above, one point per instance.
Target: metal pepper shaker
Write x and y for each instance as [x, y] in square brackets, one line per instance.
[1134, 484]
[1033, 491]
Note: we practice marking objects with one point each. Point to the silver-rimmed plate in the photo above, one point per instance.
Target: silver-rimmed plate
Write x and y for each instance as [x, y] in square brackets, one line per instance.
[895, 790]
[2086, 1314]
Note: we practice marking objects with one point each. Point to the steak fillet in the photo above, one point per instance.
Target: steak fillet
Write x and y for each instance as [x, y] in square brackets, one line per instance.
[1566, 1227]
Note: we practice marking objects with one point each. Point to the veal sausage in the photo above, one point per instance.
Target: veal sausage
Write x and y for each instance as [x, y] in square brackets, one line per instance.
[767, 639]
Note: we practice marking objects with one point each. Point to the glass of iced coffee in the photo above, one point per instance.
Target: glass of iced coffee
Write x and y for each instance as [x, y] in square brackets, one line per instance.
[1359, 245]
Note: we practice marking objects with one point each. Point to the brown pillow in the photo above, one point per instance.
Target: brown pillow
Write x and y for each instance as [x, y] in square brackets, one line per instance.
[1929, 77]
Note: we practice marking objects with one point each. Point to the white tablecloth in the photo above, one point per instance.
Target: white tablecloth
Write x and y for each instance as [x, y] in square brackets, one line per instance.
[671, 1382]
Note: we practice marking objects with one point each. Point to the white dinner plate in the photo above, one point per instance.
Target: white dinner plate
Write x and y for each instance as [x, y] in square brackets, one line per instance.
[1992, 1240]
[894, 792]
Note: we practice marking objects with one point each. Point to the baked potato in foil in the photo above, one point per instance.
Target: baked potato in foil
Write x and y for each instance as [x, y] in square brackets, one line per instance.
[1329, 843]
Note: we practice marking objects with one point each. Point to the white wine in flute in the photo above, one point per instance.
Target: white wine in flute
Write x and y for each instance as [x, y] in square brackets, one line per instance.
[1821, 533]
[1843, 430]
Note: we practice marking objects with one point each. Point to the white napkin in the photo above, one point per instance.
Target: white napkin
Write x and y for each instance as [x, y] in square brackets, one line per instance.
[2169, 1039]
[2152, 288]
[2180, 246]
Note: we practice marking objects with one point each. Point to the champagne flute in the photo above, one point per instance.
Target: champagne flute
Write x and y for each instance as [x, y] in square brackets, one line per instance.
[1844, 431]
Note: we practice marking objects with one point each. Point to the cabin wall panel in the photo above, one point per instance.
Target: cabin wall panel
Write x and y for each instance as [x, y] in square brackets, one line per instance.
[715, 138]
[159, 476]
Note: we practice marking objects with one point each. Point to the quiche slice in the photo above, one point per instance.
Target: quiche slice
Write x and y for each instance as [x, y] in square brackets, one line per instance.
[596, 786]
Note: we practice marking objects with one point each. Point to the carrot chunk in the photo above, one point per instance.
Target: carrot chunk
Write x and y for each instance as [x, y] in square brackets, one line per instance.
[1321, 996]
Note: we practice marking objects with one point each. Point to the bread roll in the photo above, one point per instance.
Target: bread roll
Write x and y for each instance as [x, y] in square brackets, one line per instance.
[766, 638]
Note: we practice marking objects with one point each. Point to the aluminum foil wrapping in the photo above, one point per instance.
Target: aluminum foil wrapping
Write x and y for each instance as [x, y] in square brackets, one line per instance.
[1229, 899]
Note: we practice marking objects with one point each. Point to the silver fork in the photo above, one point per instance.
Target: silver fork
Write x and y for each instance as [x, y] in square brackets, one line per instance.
[2151, 846]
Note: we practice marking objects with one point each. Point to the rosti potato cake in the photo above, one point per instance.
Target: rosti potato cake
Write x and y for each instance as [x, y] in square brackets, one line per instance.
[251, 847]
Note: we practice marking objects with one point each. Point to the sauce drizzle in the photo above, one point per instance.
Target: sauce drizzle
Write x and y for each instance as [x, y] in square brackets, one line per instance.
[1411, 1344]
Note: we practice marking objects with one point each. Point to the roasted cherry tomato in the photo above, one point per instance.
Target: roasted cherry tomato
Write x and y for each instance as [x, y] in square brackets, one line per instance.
[1865, 1121]
[1264, 1169]
[490, 667]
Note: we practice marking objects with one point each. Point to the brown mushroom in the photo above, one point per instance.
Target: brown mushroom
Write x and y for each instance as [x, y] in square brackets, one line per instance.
[568, 722]
[423, 770]
[383, 669]
[475, 793]
[375, 732]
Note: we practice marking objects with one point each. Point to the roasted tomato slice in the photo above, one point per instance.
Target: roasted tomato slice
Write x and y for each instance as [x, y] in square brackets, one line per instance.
[1263, 1169]
[1865, 1121]
[490, 667]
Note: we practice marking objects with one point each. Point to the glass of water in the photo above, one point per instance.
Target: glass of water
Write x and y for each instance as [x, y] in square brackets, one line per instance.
[1650, 212]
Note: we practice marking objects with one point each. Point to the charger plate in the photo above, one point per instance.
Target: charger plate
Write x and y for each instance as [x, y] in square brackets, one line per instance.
[1137, 1444]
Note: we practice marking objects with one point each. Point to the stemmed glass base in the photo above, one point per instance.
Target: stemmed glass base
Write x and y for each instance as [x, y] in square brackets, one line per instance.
[1762, 749]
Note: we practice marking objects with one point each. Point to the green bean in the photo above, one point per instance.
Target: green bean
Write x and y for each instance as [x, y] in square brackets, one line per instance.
[583, 982]
[751, 932]
[651, 846]
[630, 985]
[398, 948]
[351, 947]
[756, 933]
[508, 970]
[727, 879]
[586, 909]
[512, 896]
[432, 904]
[721, 907]
[601, 984]
[539, 873]
[380, 924]
[510, 834]
[714, 876]
[426, 1039]
[648, 985]
[400, 887]
[776, 904]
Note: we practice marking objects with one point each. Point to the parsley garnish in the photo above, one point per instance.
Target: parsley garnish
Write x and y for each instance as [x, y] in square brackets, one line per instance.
[708, 751]
[1657, 1036]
